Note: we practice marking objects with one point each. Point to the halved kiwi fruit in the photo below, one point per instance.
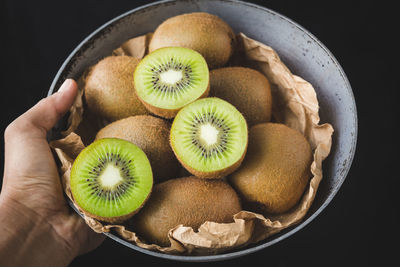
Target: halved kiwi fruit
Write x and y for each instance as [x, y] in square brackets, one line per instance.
[276, 170]
[247, 89]
[205, 33]
[111, 179]
[209, 137]
[151, 134]
[109, 89]
[189, 201]
[170, 78]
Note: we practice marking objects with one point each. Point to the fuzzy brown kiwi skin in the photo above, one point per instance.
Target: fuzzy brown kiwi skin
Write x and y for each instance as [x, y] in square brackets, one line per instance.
[189, 201]
[205, 33]
[151, 134]
[276, 170]
[170, 113]
[247, 89]
[110, 81]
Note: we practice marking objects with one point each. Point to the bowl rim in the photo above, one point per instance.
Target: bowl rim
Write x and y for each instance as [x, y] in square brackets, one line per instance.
[291, 230]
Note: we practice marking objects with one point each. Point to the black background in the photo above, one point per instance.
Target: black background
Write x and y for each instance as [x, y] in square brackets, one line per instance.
[360, 226]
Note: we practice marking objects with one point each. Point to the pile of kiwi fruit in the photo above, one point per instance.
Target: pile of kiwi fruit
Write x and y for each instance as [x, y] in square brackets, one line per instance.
[187, 138]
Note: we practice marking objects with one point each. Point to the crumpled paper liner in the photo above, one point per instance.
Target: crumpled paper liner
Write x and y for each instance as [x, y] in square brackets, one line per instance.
[294, 104]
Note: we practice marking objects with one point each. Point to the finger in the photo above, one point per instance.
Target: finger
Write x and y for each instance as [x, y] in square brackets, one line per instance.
[45, 114]
[76, 232]
[92, 240]
[27, 153]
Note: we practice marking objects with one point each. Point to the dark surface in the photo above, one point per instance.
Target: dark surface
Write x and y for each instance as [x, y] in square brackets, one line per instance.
[359, 226]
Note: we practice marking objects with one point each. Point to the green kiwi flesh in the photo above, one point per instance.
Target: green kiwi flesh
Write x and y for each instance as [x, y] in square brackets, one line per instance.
[170, 78]
[151, 134]
[111, 179]
[276, 170]
[209, 137]
[205, 33]
[189, 201]
[247, 89]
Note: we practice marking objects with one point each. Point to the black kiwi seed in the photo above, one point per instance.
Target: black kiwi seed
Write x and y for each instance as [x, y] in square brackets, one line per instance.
[96, 171]
[230, 143]
[180, 85]
[87, 190]
[219, 123]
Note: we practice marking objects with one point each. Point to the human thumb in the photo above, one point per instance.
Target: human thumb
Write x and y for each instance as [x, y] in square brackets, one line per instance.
[45, 114]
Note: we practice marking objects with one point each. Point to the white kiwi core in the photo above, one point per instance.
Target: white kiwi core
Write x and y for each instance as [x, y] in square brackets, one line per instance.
[208, 134]
[110, 177]
[171, 76]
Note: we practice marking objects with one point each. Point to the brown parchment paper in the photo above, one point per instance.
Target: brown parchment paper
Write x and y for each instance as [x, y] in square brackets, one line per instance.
[294, 104]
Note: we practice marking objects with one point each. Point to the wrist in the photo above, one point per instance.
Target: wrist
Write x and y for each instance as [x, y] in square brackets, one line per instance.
[27, 239]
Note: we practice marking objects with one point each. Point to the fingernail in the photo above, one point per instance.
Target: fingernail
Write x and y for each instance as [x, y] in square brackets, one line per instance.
[66, 84]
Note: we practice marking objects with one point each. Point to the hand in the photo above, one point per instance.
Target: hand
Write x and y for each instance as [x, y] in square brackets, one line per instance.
[32, 205]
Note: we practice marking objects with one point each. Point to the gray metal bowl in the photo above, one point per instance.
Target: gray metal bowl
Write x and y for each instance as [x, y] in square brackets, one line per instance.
[299, 49]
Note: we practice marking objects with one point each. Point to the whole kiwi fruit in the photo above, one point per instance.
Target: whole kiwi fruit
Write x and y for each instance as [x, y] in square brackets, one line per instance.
[189, 201]
[276, 169]
[247, 89]
[110, 91]
[205, 33]
[151, 134]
